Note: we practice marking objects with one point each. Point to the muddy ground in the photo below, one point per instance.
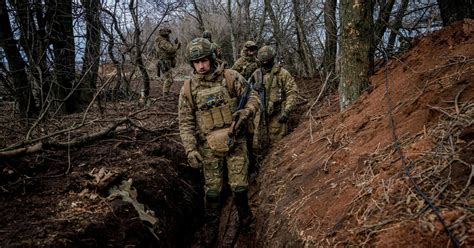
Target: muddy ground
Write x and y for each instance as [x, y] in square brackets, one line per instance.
[60, 196]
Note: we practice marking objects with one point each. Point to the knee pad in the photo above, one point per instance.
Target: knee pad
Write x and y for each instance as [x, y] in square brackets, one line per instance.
[240, 190]
[212, 196]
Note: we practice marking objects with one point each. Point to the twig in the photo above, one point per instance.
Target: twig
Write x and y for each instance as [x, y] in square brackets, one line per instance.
[95, 96]
[468, 183]
[456, 99]
[325, 169]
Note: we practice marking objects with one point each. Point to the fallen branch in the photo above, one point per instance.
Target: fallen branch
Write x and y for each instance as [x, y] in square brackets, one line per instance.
[17, 147]
[73, 143]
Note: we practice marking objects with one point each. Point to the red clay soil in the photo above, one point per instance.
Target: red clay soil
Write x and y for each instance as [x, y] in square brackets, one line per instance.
[337, 179]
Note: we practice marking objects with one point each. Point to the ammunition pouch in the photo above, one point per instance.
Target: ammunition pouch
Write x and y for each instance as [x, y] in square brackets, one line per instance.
[217, 140]
[215, 118]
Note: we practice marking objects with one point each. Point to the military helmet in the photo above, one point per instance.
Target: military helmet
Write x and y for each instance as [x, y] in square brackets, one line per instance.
[164, 31]
[206, 34]
[250, 45]
[198, 48]
[266, 53]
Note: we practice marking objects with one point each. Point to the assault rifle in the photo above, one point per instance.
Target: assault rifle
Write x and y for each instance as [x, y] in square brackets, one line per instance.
[263, 127]
[263, 97]
[241, 104]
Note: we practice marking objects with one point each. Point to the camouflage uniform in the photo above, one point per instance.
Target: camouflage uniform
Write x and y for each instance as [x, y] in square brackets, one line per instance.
[166, 52]
[280, 99]
[208, 113]
[246, 65]
[217, 49]
[195, 124]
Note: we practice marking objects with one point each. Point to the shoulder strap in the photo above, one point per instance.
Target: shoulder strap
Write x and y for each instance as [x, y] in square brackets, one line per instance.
[187, 92]
[229, 80]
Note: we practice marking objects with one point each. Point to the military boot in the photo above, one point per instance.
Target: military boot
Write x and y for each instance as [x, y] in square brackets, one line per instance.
[210, 229]
[243, 210]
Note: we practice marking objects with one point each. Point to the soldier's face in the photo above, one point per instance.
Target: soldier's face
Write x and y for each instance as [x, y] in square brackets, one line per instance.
[202, 66]
[251, 52]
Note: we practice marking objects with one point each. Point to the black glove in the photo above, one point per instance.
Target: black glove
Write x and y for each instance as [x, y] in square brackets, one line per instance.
[283, 117]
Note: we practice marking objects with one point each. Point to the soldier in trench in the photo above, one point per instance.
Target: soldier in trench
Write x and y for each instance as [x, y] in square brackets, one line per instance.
[248, 62]
[217, 49]
[207, 112]
[278, 94]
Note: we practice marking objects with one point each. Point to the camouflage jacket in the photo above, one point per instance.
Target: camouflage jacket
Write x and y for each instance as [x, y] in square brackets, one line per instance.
[164, 48]
[280, 89]
[190, 130]
[246, 66]
[217, 50]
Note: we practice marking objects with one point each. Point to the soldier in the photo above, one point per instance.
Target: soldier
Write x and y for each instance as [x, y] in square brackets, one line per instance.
[207, 112]
[278, 93]
[166, 52]
[248, 63]
[217, 49]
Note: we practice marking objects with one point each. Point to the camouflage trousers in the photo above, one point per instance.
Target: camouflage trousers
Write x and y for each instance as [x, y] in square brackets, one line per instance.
[164, 67]
[265, 136]
[276, 130]
[167, 80]
[236, 162]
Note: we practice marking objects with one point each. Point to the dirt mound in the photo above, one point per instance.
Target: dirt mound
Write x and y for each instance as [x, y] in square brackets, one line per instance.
[339, 180]
[62, 197]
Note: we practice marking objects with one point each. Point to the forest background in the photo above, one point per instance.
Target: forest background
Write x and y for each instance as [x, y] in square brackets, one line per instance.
[52, 52]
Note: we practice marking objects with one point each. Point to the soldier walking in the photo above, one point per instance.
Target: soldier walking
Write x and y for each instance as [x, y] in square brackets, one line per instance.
[217, 49]
[214, 103]
[248, 62]
[166, 52]
[278, 94]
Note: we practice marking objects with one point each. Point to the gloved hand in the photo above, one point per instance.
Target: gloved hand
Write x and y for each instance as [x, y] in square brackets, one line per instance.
[283, 117]
[241, 116]
[177, 43]
[194, 159]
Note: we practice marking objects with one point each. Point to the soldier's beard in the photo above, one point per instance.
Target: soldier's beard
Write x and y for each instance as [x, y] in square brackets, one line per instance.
[268, 65]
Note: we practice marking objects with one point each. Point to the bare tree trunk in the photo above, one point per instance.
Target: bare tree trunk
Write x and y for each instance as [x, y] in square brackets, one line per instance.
[380, 27]
[115, 61]
[261, 25]
[137, 49]
[303, 46]
[198, 15]
[34, 41]
[356, 40]
[232, 30]
[455, 10]
[64, 54]
[330, 42]
[90, 66]
[247, 22]
[276, 28]
[122, 83]
[397, 24]
[16, 64]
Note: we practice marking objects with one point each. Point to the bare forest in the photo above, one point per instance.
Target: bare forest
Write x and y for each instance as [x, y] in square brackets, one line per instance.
[380, 151]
